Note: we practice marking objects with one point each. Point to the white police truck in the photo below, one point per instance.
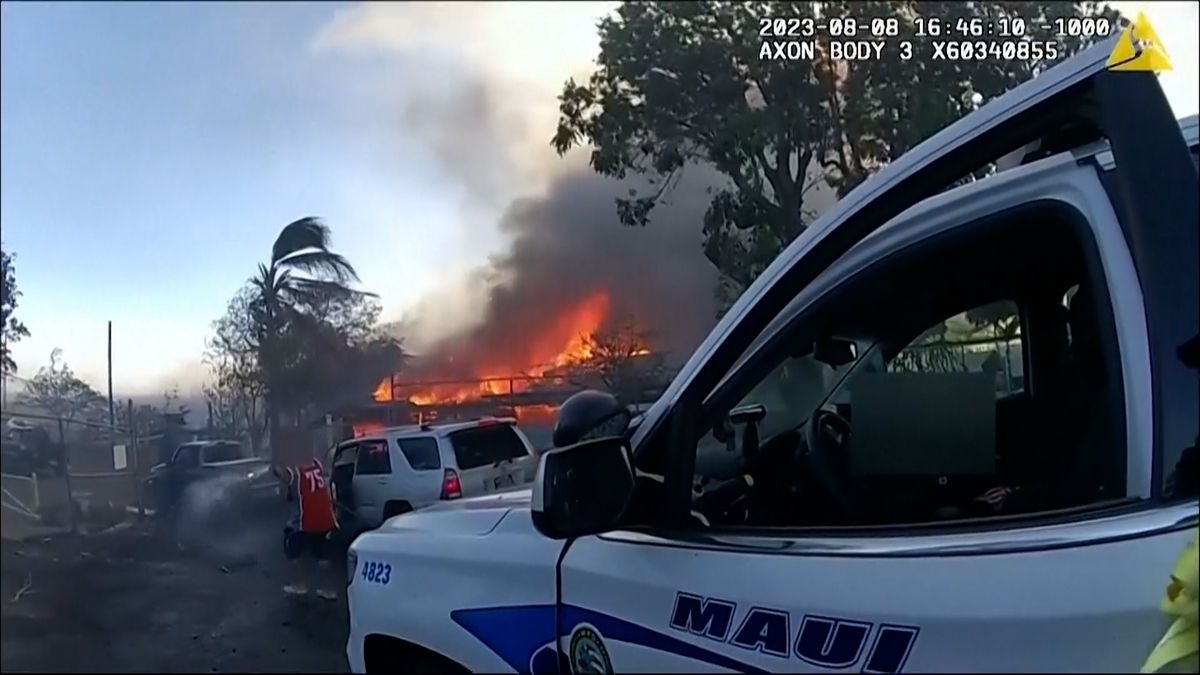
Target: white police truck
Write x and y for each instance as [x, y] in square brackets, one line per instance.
[846, 476]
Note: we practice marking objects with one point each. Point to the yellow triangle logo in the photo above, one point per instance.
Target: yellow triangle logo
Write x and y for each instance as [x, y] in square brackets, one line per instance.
[1139, 49]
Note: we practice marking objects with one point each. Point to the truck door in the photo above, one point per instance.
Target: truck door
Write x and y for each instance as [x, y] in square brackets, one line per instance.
[904, 508]
[372, 476]
[342, 462]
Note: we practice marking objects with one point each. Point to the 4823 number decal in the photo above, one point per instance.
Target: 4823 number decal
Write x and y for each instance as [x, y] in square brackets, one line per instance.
[376, 573]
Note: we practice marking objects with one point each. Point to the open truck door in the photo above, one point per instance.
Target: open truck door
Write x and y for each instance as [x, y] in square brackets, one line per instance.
[833, 570]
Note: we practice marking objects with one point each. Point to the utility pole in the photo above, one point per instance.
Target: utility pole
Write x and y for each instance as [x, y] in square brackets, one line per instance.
[134, 462]
[112, 419]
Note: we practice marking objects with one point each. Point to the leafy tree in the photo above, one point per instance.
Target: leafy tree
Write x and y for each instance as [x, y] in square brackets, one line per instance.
[684, 83]
[334, 350]
[884, 107]
[301, 267]
[931, 352]
[326, 346]
[1001, 318]
[11, 330]
[56, 390]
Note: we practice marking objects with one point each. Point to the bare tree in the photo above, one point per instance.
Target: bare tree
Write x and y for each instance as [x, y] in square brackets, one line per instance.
[620, 360]
[237, 392]
[56, 390]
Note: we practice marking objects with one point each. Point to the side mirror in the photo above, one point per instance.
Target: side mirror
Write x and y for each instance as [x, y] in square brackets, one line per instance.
[835, 352]
[583, 489]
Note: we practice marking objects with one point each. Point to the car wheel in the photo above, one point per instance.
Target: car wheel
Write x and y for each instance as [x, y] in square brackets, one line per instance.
[395, 508]
[383, 654]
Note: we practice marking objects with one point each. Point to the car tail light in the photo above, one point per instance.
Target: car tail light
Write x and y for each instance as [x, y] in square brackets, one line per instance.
[451, 487]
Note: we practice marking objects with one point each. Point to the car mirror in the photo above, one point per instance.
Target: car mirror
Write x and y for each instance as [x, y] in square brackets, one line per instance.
[749, 415]
[835, 352]
[583, 489]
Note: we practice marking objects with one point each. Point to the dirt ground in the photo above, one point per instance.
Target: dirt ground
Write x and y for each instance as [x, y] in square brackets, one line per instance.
[155, 597]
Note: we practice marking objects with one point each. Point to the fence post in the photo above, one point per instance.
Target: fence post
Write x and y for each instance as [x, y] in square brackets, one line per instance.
[66, 465]
[135, 461]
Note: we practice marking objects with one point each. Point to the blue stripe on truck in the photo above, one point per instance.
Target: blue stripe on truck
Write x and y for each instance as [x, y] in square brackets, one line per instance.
[517, 633]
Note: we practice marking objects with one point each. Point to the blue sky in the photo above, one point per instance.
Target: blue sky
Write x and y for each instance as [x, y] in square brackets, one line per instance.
[152, 152]
[149, 154]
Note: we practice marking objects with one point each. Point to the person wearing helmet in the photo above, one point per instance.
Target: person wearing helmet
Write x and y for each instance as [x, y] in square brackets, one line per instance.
[306, 536]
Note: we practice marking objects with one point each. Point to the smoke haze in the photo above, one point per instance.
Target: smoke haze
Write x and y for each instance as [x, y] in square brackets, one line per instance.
[487, 119]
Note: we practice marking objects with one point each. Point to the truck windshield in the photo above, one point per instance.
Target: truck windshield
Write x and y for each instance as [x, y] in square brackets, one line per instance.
[789, 393]
[222, 452]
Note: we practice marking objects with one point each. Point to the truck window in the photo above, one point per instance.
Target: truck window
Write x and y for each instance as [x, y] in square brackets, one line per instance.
[480, 446]
[1181, 474]
[373, 458]
[187, 456]
[346, 455]
[421, 453]
[985, 339]
[222, 452]
[961, 423]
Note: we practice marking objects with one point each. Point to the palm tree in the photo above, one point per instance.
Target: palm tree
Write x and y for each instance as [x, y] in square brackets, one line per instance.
[302, 270]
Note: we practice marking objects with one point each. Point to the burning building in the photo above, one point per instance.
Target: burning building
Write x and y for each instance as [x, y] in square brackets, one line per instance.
[577, 301]
[580, 347]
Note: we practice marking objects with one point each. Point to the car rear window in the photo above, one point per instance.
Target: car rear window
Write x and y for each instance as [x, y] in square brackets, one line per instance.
[421, 453]
[481, 446]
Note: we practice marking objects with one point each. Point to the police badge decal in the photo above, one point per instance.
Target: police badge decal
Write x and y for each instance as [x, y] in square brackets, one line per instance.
[588, 654]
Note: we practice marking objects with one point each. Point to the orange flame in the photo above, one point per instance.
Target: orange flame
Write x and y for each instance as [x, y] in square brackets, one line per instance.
[536, 414]
[363, 428]
[561, 342]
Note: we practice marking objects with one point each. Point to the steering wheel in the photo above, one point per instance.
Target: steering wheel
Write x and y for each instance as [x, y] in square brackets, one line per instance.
[826, 437]
[827, 432]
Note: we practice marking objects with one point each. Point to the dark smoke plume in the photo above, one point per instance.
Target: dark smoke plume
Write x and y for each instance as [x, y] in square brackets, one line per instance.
[569, 244]
[488, 129]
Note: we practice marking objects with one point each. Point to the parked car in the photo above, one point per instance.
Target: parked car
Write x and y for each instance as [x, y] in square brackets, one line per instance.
[401, 469]
[227, 465]
[887, 508]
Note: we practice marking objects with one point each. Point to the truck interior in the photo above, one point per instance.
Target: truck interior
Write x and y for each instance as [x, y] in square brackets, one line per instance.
[913, 430]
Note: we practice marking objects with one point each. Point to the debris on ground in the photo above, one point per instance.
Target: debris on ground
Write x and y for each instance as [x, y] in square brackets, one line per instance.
[130, 599]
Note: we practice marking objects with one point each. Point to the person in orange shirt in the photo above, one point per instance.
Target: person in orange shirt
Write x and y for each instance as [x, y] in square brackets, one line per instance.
[307, 534]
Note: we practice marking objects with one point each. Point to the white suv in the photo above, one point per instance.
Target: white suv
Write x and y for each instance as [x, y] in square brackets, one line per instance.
[401, 469]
